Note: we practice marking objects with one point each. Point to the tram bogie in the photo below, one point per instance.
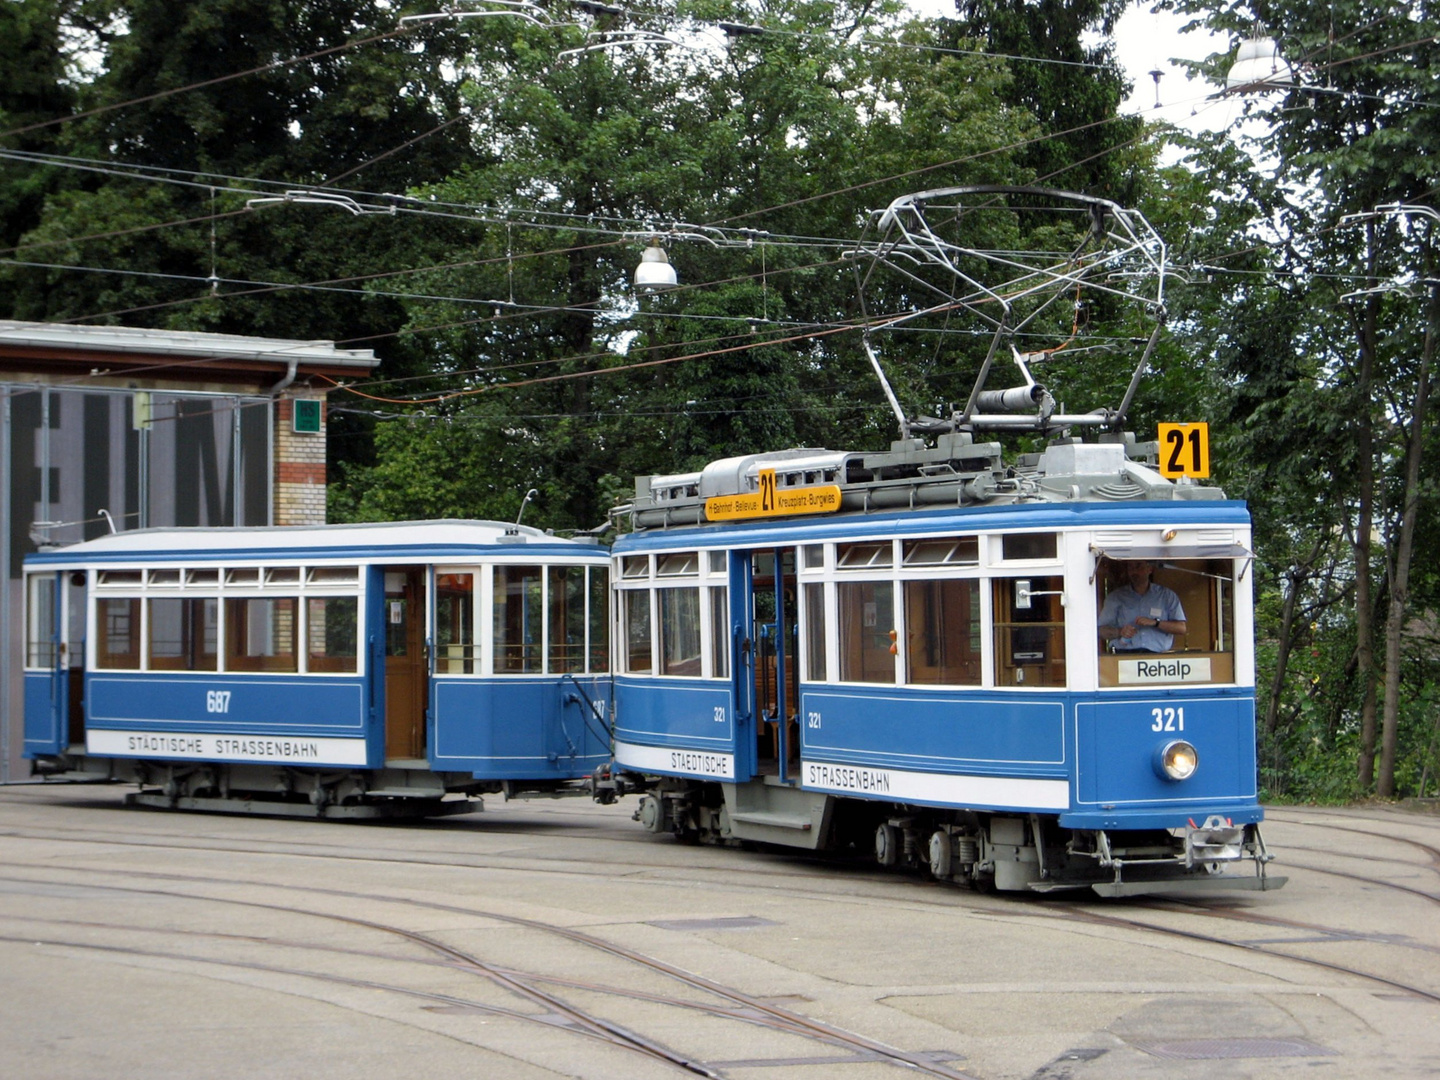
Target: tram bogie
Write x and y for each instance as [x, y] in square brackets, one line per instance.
[373, 671]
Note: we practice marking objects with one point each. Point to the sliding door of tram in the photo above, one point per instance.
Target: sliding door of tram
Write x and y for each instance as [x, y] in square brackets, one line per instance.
[766, 595]
[407, 673]
[55, 661]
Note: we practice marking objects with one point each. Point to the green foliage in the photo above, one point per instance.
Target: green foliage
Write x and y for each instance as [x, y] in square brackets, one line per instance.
[1313, 356]
[784, 134]
[34, 90]
[292, 125]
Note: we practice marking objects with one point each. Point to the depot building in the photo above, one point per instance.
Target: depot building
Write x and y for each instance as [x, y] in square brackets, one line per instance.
[110, 427]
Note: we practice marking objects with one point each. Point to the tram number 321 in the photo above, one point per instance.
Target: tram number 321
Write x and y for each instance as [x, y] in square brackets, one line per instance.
[1167, 719]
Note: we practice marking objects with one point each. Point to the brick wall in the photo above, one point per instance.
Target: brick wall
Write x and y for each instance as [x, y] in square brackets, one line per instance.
[299, 465]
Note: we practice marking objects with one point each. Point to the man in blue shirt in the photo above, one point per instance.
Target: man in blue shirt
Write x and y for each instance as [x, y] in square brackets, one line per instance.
[1141, 616]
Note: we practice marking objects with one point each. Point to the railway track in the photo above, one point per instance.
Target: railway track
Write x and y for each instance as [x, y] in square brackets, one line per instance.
[583, 1003]
[554, 1012]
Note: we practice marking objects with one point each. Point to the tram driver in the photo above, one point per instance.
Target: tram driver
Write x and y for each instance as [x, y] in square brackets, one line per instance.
[1141, 616]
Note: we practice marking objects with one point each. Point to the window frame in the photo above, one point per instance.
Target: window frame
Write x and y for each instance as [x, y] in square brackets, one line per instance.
[706, 570]
[1223, 591]
[488, 663]
[221, 580]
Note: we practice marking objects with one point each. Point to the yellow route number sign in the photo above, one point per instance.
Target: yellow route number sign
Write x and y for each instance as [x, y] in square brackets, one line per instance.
[1185, 450]
[771, 501]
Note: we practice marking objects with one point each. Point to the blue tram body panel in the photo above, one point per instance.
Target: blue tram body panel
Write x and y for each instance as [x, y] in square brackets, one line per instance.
[694, 715]
[936, 731]
[681, 727]
[45, 695]
[513, 729]
[1117, 740]
[293, 718]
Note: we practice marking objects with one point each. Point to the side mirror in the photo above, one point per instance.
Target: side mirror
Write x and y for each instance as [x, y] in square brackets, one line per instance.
[1022, 595]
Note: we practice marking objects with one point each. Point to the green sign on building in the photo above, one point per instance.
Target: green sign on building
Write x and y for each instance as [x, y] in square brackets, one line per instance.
[307, 416]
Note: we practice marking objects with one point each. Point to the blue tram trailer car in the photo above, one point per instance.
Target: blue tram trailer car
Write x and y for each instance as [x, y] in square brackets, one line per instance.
[346, 671]
[833, 650]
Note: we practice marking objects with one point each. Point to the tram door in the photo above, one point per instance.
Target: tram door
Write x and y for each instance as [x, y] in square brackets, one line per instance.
[74, 657]
[775, 625]
[406, 670]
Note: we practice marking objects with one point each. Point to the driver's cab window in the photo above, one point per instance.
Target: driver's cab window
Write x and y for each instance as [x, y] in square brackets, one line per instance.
[1165, 622]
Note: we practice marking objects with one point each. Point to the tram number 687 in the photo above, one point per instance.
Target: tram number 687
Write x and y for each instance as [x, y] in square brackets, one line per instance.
[1167, 719]
[217, 701]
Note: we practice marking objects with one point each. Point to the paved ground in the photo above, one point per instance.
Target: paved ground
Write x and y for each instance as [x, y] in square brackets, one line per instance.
[558, 939]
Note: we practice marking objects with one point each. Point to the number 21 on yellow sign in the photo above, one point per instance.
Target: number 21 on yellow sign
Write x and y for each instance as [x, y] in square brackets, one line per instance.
[1185, 450]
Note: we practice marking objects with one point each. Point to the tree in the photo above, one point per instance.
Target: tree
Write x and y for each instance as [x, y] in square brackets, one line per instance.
[782, 134]
[1349, 351]
[367, 114]
[36, 89]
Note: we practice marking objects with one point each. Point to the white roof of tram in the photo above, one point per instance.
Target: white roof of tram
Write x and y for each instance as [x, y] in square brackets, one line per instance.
[296, 541]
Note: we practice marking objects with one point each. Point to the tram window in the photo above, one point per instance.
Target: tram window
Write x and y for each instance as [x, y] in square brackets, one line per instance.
[677, 564]
[637, 630]
[635, 566]
[164, 577]
[567, 618]
[1030, 642]
[183, 632]
[244, 575]
[518, 615]
[202, 577]
[719, 561]
[282, 575]
[260, 633]
[40, 622]
[118, 578]
[117, 633]
[814, 556]
[942, 632]
[399, 607]
[720, 632]
[1205, 652]
[864, 556]
[75, 620]
[1016, 546]
[331, 624]
[815, 639]
[599, 619]
[333, 575]
[942, 551]
[867, 631]
[680, 632]
[454, 624]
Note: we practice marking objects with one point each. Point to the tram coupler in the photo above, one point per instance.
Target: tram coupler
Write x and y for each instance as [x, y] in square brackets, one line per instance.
[1217, 839]
[605, 785]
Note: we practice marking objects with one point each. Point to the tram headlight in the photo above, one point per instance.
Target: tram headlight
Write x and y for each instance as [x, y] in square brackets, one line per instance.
[1177, 760]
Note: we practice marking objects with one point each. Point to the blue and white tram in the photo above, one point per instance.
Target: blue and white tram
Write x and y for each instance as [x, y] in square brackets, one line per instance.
[349, 671]
[829, 650]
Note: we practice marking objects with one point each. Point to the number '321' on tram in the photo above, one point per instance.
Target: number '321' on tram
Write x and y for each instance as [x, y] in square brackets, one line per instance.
[903, 652]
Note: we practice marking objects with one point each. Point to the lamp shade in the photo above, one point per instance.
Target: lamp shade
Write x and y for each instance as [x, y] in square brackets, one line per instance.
[1259, 66]
[655, 274]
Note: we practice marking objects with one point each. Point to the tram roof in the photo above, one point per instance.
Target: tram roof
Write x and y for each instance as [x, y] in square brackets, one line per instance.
[367, 540]
[930, 522]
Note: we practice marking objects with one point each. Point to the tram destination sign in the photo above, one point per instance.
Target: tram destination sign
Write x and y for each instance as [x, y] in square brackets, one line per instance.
[1165, 669]
[771, 501]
